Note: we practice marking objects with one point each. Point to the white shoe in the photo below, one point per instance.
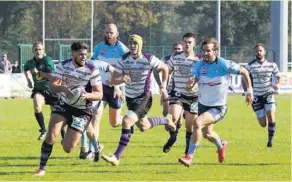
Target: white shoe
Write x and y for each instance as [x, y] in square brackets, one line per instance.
[40, 172]
[111, 159]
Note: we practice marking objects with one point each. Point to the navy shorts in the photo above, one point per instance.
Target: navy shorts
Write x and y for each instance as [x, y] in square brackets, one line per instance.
[50, 98]
[218, 112]
[108, 97]
[189, 103]
[140, 105]
[77, 119]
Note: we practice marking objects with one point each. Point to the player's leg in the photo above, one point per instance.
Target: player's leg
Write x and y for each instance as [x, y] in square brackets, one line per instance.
[259, 109]
[270, 109]
[38, 102]
[175, 109]
[55, 125]
[190, 119]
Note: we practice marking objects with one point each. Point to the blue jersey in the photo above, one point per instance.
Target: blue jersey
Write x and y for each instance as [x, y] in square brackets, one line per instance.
[110, 54]
[100, 65]
[213, 80]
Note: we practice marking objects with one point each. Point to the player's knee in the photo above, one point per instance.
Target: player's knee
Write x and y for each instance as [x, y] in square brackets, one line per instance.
[143, 128]
[115, 124]
[67, 149]
[50, 139]
[262, 121]
[37, 109]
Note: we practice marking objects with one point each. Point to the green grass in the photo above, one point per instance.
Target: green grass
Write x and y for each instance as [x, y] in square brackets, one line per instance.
[248, 159]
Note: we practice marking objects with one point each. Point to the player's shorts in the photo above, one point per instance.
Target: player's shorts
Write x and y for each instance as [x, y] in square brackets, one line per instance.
[108, 97]
[77, 119]
[50, 98]
[263, 103]
[218, 112]
[140, 105]
[189, 103]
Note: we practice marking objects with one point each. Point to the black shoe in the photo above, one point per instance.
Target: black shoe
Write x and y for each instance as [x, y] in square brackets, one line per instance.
[269, 145]
[83, 154]
[169, 144]
[96, 156]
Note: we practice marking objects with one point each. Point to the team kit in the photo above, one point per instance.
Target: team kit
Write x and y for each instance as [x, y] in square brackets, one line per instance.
[193, 88]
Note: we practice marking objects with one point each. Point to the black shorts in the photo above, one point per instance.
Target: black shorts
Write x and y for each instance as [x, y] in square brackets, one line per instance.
[259, 102]
[189, 103]
[140, 105]
[108, 96]
[50, 98]
[77, 119]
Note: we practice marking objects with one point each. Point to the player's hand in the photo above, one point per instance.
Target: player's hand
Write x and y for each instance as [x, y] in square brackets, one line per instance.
[164, 95]
[190, 84]
[35, 71]
[67, 91]
[118, 93]
[83, 96]
[127, 78]
[275, 87]
[249, 99]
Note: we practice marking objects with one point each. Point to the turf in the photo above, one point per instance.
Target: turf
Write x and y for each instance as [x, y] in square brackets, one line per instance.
[248, 159]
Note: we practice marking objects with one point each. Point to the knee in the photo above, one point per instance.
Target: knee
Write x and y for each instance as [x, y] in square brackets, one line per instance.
[67, 149]
[143, 128]
[114, 125]
[37, 109]
[205, 135]
[262, 121]
[50, 139]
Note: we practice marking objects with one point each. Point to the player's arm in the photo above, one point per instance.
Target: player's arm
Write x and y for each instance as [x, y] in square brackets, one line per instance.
[27, 75]
[96, 85]
[276, 74]
[157, 77]
[165, 73]
[194, 75]
[246, 85]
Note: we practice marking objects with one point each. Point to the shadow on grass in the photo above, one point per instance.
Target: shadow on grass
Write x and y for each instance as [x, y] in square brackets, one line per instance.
[28, 158]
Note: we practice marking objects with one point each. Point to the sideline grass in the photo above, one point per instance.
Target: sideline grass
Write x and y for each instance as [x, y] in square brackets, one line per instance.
[248, 159]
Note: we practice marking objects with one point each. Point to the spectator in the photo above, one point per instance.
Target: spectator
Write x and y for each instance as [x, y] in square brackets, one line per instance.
[16, 67]
[5, 66]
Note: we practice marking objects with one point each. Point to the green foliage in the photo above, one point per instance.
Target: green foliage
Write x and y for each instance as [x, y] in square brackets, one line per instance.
[247, 158]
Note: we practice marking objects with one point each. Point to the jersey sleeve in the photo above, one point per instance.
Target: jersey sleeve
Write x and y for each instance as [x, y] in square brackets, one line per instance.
[124, 49]
[50, 65]
[59, 71]
[195, 71]
[95, 78]
[155, 62]
[170, 63]
[96, 51]
[275, 70]
[120, 66]
[230, 66]
[26, 66]
[100, 65]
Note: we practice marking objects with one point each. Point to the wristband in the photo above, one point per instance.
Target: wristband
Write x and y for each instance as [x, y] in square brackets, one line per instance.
[248, 91]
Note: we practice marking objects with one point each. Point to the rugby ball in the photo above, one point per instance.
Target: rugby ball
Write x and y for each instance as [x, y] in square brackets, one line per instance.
[76, 98]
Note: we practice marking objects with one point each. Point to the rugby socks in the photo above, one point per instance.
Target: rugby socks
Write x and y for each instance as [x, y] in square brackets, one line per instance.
[192, 148]
[40, 119]
[93, 145]
[46, 151]
[271, 130]
[63, 133]
[124, 140]
[214, 138]
[83, 140]
[155, 121]
[188, 140]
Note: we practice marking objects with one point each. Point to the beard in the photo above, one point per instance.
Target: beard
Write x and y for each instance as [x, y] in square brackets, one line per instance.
[77, 63]
[110, 41]
[259, 57]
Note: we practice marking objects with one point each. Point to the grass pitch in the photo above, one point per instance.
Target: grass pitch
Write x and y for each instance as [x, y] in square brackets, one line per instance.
[248, 159]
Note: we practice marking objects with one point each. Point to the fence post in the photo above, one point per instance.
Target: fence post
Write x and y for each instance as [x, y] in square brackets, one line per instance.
[225, 52]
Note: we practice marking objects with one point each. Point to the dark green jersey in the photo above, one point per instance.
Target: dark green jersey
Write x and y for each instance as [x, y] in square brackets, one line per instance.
[45, 65]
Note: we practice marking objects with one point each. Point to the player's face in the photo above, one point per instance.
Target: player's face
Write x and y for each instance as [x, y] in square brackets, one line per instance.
[111, 34]
[38, 51]
[188, 44]
[80, 57]
[133, 46]
[260, 52]
[177, 48]
[209, 53]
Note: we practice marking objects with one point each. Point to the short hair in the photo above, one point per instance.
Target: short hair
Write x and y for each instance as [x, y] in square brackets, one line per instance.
[37, 42]
[189, 35]
[76, 46]
[211, 41]
[175, 44]
[259, 45]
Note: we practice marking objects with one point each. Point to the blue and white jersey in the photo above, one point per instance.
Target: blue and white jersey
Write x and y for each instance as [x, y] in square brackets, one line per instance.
[110, 54]
[213, 80]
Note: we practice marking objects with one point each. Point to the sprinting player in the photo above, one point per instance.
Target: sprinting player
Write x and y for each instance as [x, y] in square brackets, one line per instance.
[71, 73]
[138, 68]
[212, 75]
[181, 100]
[110, 50]
[261, 71]
[40, 67]
[176, 47]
